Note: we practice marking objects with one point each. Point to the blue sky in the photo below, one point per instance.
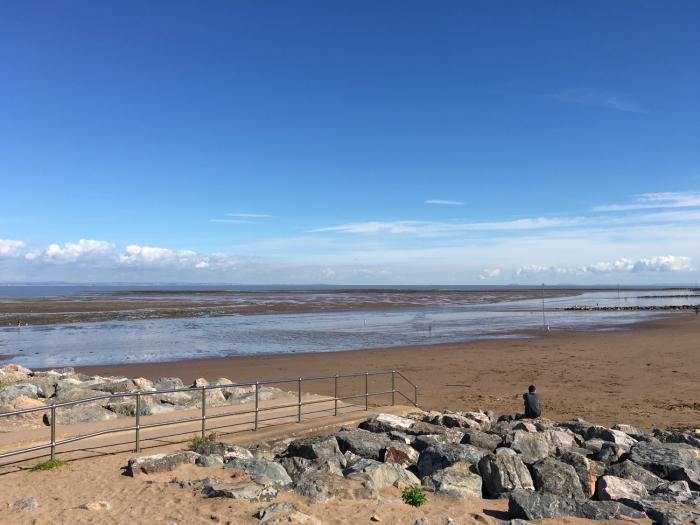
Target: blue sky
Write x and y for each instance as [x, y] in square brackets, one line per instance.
[365, 142]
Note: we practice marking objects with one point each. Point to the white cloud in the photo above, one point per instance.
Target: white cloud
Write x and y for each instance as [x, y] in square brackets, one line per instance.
[251, 215]
[152, 255]
[489, 273]
[589, 97]
[656, 200]
[9, 247]
[444, 202]
[72, 251]
[662, 263]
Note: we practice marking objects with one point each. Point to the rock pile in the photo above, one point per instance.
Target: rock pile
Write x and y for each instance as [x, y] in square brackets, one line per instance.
[23, 388]
[546, 469]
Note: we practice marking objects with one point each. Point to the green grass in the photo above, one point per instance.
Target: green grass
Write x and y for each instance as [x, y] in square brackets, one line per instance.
[414, 496]
[198, 441]
[48, 465]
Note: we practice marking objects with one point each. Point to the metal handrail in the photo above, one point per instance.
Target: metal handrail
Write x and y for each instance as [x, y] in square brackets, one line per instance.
[138, 394]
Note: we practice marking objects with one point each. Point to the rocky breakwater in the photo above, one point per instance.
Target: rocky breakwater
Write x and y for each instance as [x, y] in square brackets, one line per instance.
[22, 388]
[545, 469]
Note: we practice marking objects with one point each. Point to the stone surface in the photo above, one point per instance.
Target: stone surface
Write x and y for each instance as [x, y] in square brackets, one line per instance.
[400, 454]
[535, 505]
[610, 452]
[381, 475]
[262, 471]
[585, 470]
[363, 443]
[252, 491]
[481, 439]
[82, 413]
[614, 488]
[323, 448]
[209, 461]
[531, 447]
[387, 423]
[322, 486]
[437, 457]
[554, 477]
[159, 462]
[458, 480]
[630, 470]
[503, 473]
[608, 434]
[672, 461]
[558, 439]
[27, 504]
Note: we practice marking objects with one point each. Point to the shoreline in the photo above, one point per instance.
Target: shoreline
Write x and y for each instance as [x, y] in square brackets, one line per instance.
[644, 375]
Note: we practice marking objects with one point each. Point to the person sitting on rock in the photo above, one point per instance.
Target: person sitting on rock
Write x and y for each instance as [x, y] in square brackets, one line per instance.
[533, 409]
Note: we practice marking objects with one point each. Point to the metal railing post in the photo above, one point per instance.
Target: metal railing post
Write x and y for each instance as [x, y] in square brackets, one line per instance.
[257, 397]
[393, 387]
[53, 430]
[335, 394]
[204, 411]
[366, 391]
[138, 421]
[299, 402]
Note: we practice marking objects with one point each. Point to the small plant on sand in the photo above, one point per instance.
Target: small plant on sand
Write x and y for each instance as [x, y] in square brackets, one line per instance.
[414, 496]
[48, 465]
[198, 441]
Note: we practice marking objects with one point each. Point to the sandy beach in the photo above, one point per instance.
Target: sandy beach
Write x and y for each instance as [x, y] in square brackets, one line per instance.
[646, 376]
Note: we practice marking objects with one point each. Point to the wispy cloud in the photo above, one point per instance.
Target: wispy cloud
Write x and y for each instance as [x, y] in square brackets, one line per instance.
[443, 202]
[656, 200]
[232, 221]
[601, 99]
[251, 215]
[489, 273]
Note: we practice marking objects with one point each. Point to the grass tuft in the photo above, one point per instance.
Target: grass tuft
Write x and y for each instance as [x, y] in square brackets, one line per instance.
[414, 496]
[48, 465]
[198, 441]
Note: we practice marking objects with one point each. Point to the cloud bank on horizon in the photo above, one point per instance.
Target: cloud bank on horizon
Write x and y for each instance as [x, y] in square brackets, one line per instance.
[636, 242]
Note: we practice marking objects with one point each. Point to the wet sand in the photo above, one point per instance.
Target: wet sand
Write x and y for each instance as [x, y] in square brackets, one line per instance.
[125, 306]
[645, 376]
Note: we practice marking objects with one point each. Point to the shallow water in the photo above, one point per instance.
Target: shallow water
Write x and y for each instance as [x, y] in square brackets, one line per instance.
[183, 338]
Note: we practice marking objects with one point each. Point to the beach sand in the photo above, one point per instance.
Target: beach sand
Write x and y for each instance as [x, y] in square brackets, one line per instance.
[645, 376]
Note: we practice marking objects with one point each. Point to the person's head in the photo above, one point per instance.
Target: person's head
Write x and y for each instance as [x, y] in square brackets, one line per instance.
[531, 389]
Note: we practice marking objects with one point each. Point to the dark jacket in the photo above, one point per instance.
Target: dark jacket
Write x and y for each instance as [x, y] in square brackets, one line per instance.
[532, 405]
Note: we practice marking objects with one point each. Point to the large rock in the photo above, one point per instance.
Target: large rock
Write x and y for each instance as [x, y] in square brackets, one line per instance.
[458, 480]
[554, 477]
[481, 439]
[160, 462]
[363, 443]
[607, 434]
[168, 383]
[531, 447]
[631, 431]
[675, 462]
[586, 470]
[381, 475]
[248, 491]
[262, 471]
[284, 512]
[630, 470]
[83, 413]
[387, 423]
[503, 473]
[298, 467]
[322, 486]
[437, 457]
[662, 513]
[22, 420]
[578, 426]
[319, 448]
[558, 439]
[611, 453]
[9, 393]
[400, 454]
[529, 505]
[120, 386]
[613, 488]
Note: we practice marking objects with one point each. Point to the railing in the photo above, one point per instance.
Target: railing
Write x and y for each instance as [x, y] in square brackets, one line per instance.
[138, 426]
